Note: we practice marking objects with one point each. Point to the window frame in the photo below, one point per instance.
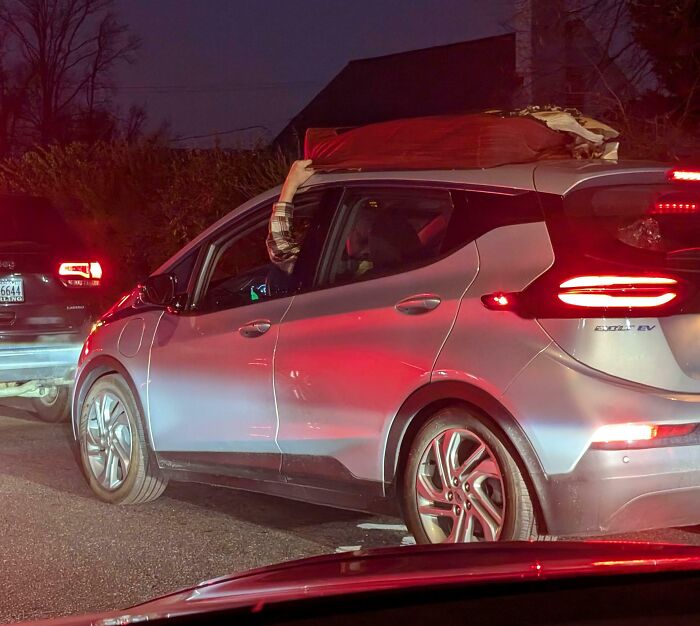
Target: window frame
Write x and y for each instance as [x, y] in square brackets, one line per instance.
[329, 222]
[343, 215]
[249, 220]
[458, 194]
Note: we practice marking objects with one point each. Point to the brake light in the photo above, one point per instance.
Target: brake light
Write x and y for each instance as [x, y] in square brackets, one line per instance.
[603, 292]
[629, 435]
[685, 175]
[666, 208]
[589, 296]
[80, 274]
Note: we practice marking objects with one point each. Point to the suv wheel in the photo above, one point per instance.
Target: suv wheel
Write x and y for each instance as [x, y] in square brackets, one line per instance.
[461, 484]
[113, 449]
[54, 406]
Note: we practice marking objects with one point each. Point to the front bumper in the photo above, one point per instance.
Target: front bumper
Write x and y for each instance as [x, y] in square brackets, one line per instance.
[21, 362]
[614, 491]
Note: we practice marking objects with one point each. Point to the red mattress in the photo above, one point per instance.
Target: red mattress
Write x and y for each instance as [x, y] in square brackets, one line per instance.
[440, 142]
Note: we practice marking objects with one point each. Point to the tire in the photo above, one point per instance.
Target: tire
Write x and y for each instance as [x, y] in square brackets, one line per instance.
[488, 484]
[114, 455]
[55, 406]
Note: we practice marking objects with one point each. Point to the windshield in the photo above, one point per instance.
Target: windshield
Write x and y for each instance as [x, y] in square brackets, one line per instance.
[282, 280]
[33, 221]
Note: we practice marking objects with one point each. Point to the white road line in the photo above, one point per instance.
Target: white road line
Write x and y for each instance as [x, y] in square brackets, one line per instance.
[395, 527]
[347, 549]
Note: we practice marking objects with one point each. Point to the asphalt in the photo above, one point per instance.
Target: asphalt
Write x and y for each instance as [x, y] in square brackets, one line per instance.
[64, 552]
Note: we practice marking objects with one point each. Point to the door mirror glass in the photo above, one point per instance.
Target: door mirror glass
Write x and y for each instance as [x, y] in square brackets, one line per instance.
[159, 290]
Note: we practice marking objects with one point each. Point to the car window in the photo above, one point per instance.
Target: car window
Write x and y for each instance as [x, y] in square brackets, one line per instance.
[389, 231]
[242, 272]
[28, 219]
[182, 271]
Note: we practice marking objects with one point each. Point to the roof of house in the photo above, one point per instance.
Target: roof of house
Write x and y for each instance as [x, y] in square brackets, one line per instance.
[454, 78]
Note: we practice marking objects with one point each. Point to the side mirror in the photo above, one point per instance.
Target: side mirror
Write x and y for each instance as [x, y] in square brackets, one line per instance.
[159, 290]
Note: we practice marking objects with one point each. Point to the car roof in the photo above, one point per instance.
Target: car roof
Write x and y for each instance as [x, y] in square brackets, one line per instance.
[552, 176]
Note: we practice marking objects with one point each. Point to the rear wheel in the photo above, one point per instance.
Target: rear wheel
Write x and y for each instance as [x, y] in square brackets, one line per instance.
[54, 406]
[462, 485]
[113, 449]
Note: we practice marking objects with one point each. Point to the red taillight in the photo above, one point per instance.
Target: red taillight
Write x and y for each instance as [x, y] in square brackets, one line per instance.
[80, 274]
[674, 208]
[636, 434]
[602, 292]
[685, 175]
[590, 296]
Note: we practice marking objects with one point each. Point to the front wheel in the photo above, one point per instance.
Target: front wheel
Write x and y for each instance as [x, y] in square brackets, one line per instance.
[462, 485]
[113, 449]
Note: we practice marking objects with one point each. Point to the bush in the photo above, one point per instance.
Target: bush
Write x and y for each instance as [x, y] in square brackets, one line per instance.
[139, 203]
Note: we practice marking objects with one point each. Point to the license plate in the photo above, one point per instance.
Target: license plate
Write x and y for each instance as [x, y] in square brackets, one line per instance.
[11, 290]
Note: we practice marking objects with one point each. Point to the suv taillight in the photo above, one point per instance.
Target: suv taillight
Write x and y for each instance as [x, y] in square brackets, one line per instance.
[80, 274]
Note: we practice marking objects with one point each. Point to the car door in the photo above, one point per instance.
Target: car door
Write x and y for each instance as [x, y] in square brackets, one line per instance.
[351, 351]
[211, 400]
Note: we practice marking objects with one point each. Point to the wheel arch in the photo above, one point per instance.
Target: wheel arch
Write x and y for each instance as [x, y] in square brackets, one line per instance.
[427, 400]
[99, 367]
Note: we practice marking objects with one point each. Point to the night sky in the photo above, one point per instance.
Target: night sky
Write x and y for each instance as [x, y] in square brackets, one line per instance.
[211, 65]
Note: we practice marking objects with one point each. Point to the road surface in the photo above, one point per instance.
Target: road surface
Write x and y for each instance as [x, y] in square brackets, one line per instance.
[65, 552]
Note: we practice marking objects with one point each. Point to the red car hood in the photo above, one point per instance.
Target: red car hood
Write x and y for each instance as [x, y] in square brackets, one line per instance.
[401, 568]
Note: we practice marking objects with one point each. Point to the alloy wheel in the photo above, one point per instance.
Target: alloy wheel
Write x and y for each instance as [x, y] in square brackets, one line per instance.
[108, 440]
[459, 489]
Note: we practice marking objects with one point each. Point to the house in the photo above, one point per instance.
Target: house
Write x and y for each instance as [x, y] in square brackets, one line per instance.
[551, 57]
[444, 79]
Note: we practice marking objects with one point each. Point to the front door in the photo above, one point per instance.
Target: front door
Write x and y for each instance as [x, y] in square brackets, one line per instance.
[211, 400]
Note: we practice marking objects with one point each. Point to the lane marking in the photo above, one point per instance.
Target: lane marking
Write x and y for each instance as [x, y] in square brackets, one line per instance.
[340, 549]
[396, 527]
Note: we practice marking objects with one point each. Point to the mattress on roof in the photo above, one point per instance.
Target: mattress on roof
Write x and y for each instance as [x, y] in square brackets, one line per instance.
[439, 142]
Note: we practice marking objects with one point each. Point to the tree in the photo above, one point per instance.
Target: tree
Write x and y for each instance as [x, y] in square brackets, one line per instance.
[634, 63]
[65, 52]
[669, 32]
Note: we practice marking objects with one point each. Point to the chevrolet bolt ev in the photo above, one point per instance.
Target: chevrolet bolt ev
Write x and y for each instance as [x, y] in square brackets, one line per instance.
[49, 284]
[496, 354]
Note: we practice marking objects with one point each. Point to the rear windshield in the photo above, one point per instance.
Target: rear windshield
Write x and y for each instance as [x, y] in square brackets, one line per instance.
[613, 220]
[33, 220]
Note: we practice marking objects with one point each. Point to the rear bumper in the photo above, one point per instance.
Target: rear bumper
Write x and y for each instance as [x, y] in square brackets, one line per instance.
[559, 403]
[21, 362]
[614, 491]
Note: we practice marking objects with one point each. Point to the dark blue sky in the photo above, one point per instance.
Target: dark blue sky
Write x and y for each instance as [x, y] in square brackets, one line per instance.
[212, 65]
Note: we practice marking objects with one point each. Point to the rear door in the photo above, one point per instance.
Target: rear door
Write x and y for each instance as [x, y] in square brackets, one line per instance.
[352, 350]
[623, 295]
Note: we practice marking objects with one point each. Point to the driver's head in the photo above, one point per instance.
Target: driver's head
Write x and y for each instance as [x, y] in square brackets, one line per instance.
[357, 244]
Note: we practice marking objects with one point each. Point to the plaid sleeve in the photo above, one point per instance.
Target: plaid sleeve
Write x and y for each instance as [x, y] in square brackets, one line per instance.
[281, 246]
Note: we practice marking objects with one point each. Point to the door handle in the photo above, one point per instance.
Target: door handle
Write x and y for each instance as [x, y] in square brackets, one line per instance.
[255, 329]
[418, 305]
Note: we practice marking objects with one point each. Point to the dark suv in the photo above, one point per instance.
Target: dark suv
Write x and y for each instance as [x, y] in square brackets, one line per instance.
[49, 288]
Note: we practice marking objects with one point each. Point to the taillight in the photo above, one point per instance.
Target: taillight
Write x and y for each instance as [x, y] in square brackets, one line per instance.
[80, 274]
[616, 436]
[602, 292]
[595, 295]
[674, 208]
[684, 175]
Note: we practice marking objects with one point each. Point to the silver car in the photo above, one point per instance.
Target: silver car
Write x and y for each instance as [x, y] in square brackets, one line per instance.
[495, 354]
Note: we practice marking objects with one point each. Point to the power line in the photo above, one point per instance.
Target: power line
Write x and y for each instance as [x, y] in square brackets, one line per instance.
[222, 132]
[215, 87]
